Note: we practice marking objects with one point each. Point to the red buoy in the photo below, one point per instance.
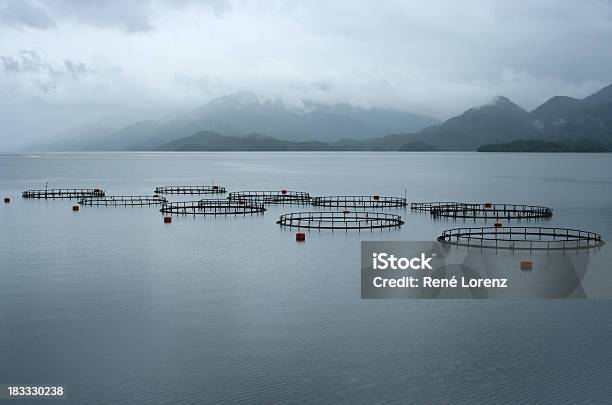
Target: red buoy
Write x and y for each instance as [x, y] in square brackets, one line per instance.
[283, 191]
[75, 208]
[376, 197]
[167, 220]
[498, 224]
[488, 204]
[300, 236]
[526, 265]
[7, 200]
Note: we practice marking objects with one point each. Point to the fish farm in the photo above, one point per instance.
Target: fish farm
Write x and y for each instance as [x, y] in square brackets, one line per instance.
[359, 201]
[123, 200]
[340, 220]
[253, 202]
[272, 197]
[63, 193]
[213, 207]
[190, 190]
[521, 238]
[492, 211]
[430, 206]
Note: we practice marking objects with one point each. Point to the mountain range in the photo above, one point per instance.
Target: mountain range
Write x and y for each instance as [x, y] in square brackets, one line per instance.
[244, 113]
[237, 122]
[501, 121]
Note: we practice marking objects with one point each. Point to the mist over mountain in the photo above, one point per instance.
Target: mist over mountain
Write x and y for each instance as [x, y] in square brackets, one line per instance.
[501, 121]
[566, 117]
[223, 123]
[498, 121]
[82, 136]
[244, 113]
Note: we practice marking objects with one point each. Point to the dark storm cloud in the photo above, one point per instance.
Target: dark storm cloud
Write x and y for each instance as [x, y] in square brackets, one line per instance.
[126, 15]
[437, 58]
[24, 13]
[131, 16]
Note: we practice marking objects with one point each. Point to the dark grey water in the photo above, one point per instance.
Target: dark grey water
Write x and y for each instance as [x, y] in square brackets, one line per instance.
[123, 308]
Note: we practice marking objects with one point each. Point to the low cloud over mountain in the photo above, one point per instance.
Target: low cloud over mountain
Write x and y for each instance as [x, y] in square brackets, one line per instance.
[223, 123]
[155, 57]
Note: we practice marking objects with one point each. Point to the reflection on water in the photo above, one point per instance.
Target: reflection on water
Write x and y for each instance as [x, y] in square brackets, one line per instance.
[124, 308]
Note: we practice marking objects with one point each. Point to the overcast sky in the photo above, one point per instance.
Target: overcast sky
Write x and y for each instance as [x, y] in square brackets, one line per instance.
[68, 62]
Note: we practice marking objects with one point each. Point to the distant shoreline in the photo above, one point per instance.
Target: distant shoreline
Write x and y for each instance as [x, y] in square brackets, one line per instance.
[292, 151]
[533, 145]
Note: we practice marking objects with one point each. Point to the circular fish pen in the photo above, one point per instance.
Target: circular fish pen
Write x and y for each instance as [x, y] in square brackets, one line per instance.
[213, 207]
[272, 197]
[123, 201]
[430, 206]
[63, 193]
[340, 220]
[190, 190]
[358, 201]
[521, 238]
[492, 211]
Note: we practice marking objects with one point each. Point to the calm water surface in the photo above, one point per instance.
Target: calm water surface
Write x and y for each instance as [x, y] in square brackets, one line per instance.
[123, 308]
